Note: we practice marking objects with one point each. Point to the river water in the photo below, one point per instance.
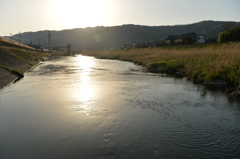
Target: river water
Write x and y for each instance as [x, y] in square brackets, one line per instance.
[86, 108]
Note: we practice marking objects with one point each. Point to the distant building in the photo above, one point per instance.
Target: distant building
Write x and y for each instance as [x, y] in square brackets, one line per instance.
[185, 38]
[170, 39]
[200, 39]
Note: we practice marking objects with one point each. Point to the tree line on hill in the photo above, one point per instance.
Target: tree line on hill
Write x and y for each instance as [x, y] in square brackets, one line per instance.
[104, 38]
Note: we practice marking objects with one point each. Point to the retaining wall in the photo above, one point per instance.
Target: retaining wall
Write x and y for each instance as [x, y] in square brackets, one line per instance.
[14, 62]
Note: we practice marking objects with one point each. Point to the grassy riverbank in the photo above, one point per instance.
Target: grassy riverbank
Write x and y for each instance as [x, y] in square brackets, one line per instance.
[200, 63]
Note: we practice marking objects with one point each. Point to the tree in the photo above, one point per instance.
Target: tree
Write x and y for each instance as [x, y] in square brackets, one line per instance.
[230, 35]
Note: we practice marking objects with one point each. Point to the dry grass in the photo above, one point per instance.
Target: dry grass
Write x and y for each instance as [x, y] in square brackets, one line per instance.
[204, 62]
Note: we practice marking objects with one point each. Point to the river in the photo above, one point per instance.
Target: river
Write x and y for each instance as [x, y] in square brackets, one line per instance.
[86, 108]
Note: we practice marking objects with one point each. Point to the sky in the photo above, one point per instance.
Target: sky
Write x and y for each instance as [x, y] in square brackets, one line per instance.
[35, 15]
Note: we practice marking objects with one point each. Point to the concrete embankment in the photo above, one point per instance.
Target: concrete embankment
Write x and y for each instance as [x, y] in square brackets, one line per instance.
[15, 61]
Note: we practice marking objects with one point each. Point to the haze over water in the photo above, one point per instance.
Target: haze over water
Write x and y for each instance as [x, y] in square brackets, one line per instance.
[82, 107]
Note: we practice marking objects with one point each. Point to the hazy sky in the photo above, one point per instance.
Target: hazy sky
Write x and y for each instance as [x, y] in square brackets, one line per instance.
[35, 15]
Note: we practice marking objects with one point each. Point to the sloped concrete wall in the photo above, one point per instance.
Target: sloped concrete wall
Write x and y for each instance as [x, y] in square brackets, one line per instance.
[14, 62]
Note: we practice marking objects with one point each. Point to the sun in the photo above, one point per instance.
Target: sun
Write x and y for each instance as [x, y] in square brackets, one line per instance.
[80, 13]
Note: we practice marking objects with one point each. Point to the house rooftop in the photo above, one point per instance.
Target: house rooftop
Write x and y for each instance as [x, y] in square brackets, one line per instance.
[187, 35]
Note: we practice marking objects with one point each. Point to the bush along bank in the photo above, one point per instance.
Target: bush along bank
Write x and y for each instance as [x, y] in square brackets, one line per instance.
[216, 65]
[14, 62]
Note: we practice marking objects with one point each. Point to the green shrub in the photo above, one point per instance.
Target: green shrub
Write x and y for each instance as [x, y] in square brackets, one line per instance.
[230, 35]
[165, 66]
[16, 72]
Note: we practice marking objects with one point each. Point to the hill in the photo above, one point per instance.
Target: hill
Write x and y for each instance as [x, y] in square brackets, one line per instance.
[102, 38]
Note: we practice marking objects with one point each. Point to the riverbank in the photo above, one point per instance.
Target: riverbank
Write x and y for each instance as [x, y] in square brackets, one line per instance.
[14, 62]
[215, 65]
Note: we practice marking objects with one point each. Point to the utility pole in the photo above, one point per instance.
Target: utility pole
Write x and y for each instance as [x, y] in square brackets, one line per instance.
[69, 51]
[49, 39]
[11, 35]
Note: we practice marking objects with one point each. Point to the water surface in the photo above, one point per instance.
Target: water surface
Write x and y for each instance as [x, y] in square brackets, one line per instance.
[82, 107]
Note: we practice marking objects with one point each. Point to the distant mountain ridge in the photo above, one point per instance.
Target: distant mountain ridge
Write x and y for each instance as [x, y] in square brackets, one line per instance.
[101, 38]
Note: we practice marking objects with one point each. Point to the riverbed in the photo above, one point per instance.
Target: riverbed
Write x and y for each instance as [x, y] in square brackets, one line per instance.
[88, 108]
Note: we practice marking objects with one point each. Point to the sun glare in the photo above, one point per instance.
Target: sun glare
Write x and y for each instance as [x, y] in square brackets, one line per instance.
[80, 13]
[85, 89]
